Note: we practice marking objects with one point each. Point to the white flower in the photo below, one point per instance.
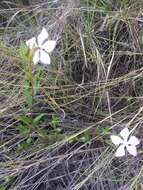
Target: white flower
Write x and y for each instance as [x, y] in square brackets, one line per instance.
[126, 142]
[41, 46]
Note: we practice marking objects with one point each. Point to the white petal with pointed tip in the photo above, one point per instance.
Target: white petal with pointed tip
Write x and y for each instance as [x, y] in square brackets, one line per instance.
[42, 36]
[132, 150]
[120, 151]
[31, 43]
[36, 57]
[116, 140]
[125, 133]
[134, 141]
[44, 57]
[49, 46]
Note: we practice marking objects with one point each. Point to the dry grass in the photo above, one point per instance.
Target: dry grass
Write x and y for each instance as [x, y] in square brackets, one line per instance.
[93, 87]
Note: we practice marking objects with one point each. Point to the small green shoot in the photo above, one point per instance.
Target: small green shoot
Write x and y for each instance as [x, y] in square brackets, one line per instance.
[24, 145]
[22, 52]
[85, 137]
[54, 121]
[23, 130]
[27, 92]
[28, 124]
[102, 131]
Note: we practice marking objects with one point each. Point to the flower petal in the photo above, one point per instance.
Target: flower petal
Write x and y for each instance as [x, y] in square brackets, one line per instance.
[132, 150]
[31, 43]
[49, 46]
[42, 36]
[116, 140]
[134, 141]
[36, 57]
[125, 133]
[120, 151]
[44, 57]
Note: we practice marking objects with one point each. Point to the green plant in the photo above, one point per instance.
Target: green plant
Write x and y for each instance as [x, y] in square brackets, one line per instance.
[102, 131]
[22, 53]
[85, 137]
[28, 124]
[54, 121]
[24, 145]
[2, 188]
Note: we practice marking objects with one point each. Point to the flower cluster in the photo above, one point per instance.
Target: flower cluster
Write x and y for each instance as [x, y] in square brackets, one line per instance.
[41, 47]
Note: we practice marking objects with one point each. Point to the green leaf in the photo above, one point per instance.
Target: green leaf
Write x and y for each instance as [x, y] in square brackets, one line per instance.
[37, 119]
[55, 121]
[85, 138]
[25, 119]
[73, 140]
[27, 93]
[22, 146]
[29, 141]
[36, 82]
[106, 131]
[23, 130]
[22, 51]
[98, 130]
[102, 131]
[58, 130]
